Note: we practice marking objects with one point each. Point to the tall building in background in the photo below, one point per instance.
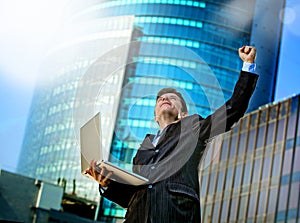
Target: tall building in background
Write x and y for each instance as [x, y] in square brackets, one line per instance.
[67, 95]
[252, 173]
[266, 36]
[113, 56]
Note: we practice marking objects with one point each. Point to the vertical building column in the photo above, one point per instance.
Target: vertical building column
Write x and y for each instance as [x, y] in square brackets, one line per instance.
[266, 37]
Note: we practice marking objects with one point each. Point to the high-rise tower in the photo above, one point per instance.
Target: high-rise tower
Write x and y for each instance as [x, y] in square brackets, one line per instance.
[186, 44]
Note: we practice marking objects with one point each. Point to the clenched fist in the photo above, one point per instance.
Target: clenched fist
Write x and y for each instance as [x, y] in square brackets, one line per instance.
[247, 54]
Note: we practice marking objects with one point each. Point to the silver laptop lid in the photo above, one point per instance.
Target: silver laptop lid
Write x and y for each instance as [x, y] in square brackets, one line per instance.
[90, 142]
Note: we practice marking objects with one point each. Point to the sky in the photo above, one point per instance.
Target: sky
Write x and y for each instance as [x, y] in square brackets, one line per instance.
[26, 30]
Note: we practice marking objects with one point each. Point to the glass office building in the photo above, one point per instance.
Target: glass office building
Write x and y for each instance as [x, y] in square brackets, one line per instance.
[77, 82]
[252, 173]
[189, 45]
[186, 44]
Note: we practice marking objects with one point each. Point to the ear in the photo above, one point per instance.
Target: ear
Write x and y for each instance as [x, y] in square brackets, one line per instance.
[179, 117]
[184, 114]
[155, 119]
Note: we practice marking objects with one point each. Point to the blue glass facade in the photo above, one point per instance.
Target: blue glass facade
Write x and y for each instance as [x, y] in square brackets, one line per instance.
[69, 92]
[189, 45]
[170, 33]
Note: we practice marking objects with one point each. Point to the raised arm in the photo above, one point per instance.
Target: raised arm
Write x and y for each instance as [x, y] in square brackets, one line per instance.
[224, 117]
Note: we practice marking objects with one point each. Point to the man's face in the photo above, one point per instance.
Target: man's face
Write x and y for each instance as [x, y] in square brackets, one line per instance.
[168, 105]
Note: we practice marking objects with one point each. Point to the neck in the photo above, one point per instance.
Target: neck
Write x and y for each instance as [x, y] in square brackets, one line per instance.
[164, 122]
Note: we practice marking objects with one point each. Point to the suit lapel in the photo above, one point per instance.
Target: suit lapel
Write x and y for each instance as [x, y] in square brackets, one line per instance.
[147, 143]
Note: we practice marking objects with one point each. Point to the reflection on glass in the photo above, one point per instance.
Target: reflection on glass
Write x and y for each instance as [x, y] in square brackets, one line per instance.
[261, 136]
[256, 170]
[224, 210]
[224, 149]
[244, 123]
[283, 196]
[233, 209]
[296, 167]
[253, 120]
[220, 181]
[232, 150]
[294, 195]
[229, 178]
[203, 185]
[273, 112]
[287, 163]
[241, 147]
[207, 213]
[237, 177]
[212, 183]
[263, 117]
[252, 205]
[270, 134]
[242, 207]
[291, 130]
[276, 165]
[280, 130]
[262, 202]
[283, 108]
[216, 212]
[266, 168]
[294, 105]
[251, 140]
[247, 173]
[272, 200]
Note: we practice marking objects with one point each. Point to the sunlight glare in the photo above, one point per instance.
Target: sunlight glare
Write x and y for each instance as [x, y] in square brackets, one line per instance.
[27, 28]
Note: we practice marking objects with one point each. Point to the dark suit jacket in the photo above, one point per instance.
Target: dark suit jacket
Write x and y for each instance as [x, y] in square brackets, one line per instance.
[172, 166]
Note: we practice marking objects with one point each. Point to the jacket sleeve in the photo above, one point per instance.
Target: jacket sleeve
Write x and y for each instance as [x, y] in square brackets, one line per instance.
[225, 116]
[118, 193]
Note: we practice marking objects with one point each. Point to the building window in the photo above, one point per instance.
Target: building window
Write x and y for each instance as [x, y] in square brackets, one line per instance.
[168, 21]
[242, 207]
[252, 205]
[283, 196]
[224, 212]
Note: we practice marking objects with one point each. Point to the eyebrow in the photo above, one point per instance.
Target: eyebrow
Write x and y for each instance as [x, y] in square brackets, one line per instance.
[171, 96]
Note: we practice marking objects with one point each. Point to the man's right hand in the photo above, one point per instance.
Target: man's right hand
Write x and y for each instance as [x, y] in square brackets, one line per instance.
[247, 54]
[99, 174]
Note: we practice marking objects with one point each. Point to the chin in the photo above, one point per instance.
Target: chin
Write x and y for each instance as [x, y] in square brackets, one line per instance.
[169, 112]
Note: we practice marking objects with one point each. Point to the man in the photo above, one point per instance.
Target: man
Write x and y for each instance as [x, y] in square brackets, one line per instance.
[170, 159]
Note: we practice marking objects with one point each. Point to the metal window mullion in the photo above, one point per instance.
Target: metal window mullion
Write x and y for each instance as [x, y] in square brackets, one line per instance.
[217, 173]
[272, 161]
[208, 182]
[225, 173]
[244, 163]
[262, 160]
[234, 172]
[293, 160]
[282, 157]
[253, 162]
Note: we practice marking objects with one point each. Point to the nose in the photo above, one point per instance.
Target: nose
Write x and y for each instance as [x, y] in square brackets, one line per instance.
[165, 97]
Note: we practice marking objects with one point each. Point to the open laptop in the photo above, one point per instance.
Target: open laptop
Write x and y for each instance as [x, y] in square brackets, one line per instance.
[91, 149]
